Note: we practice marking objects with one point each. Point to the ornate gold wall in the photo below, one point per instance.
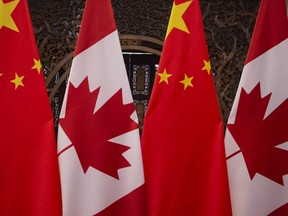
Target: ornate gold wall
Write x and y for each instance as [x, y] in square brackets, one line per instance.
[228, 27]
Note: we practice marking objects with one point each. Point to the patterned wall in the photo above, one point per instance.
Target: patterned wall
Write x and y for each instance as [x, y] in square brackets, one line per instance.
[228, 27]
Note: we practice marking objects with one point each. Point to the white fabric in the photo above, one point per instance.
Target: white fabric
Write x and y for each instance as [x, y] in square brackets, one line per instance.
[89, 193]
[259, 196]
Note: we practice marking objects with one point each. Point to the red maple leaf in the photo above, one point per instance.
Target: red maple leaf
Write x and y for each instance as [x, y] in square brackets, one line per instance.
[280, 211]
[258, 137]
[90, 133]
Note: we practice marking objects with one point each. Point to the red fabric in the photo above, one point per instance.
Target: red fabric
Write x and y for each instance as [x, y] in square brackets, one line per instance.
[29, 179]
[182, 139]
[258, 121]
[93, 10]
[110, 172]
[275, 31]
[282, 211]
[129, 205]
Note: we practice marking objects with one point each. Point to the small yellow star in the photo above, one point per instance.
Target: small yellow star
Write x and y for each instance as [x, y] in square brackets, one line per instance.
[187, 81]
[164, 76]
[207, 66]
[37, 65]
[176, 20]
[1, 74]
[17, 81]
[5, 18]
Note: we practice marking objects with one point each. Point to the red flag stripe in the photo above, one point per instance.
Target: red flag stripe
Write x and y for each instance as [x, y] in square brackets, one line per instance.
[92, 27]
[130, 205]
[274, 33]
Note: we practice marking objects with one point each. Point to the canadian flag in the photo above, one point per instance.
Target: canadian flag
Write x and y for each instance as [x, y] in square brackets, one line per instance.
[257, 130]
[98, 140]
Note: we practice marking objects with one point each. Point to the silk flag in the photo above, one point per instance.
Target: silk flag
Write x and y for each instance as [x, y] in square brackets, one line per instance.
[182, 139]
[99, 145]
[29, 178]
[257, 130]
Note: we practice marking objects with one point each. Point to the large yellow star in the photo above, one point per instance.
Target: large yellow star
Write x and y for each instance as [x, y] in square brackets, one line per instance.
[176, 20]
[207, 66]
[164, 76]
[37, 65]
[187, 81]
[17, 81]
[5, 15]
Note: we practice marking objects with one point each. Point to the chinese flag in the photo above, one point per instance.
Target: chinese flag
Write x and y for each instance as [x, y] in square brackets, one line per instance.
[99, 145]
[183, 145]
[257, 130]
[29, 178]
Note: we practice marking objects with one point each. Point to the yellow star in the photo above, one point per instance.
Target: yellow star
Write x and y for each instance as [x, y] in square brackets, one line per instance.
[37, 65]
[187, 81]
[1, 74]
[176, 20]
[164, 76]
[17, 81]
[5, 15]
[207, 66]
